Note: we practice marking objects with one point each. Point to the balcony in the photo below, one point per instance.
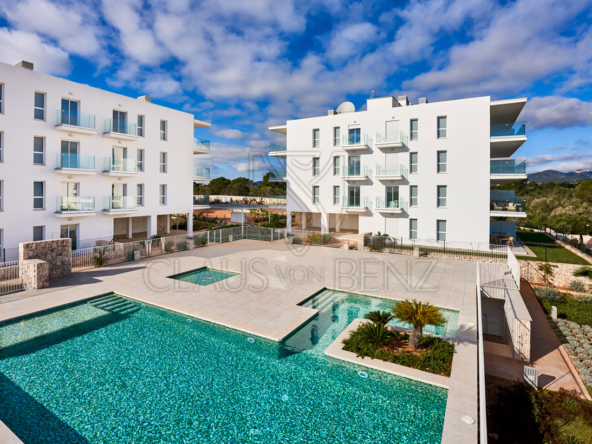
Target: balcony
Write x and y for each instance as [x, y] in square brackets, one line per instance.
[356, 172]
[507, 171]
[201, 146]
[391, 140]
[75, 206]
[118, 129]
[355, 142]
[277, 175]
[390, 206]
[201, 201]
[391, 172]
[120, 167]
[278, 149]
[506, 138]
[201, 173]
[356, 204]
[503, 203]
[75, 165]
[120, 204]
[73, 122]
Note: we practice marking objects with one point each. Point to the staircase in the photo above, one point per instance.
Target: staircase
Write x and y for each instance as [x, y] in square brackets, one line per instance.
[116, 304]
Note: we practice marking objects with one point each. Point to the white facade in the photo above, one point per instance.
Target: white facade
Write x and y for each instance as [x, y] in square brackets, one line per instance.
[450, 144]
[43, 141]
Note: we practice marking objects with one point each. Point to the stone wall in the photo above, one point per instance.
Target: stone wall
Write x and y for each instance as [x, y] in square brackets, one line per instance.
[57, 252]
[161, 223]
[34, 274]
[562, 274]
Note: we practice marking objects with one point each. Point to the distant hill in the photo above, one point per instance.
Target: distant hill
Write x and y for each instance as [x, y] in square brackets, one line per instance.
[560, 176]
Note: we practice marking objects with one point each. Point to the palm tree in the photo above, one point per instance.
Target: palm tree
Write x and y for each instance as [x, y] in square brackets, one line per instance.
[379, 317]
[419, 315]
[375, 334]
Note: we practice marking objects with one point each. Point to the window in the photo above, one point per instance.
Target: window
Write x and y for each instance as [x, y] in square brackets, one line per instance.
[1, 146]
[354, 167]
[38, 233]
[442, 127]
[354, 136]
[140, 160]
[140, 194]
[69, 157]
[316, 137]
[412, 228]
[39, 106]
[70, 232]
[336, 136]
[442, 161]
[140, 126]
[315, 195]
[38, 195]
[441, 195]
[163, 162]
[414, 129]
[441, 230]
[316, 166]
[413, 195]
[413, 157]
[336, 165]
[119, 122]
[335, 195]
[38, 151]
[1, 98]
[1, 183]
[69, 113]
[163, 130]
[163, 194]
[392, 197]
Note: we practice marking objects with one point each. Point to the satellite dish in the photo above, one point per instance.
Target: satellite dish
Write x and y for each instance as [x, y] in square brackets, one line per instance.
[346, 107]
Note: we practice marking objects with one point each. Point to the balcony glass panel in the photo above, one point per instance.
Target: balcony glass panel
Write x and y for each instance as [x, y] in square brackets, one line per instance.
[275, 147]
[120, 126]
[74, 118]
[74, 160]
[201, 200]
[75, 204]
[120, 203]
[277, 174]
[392, 137]
[382, 204]
[201, 172]
[507, 129]
[504, 200]
[391, 170]
[356, 138]
[508, 166]
[121, 165]
[201, 144]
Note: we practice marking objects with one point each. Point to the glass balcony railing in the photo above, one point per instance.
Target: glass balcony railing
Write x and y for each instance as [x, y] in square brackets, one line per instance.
[120, 127]
[508, 166]
[120, 165]
[391, 170]
[356, 202]
[76, 161]
[80, 120]
[201, 172]
[277, 174]
[507, 129]
[356, 171]
[120, 203]
[504, 200]
[356, 139]
[67, 204]
[389, 203]
[392, 137]
[201, 144]
[201, 200]
[275, 147]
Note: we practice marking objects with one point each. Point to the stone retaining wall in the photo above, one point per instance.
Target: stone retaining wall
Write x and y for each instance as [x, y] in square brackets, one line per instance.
[34, 274]
[57, 252]
[562, 274]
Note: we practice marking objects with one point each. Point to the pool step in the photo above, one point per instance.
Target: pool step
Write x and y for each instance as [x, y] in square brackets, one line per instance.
[325, 300]
[116, 304]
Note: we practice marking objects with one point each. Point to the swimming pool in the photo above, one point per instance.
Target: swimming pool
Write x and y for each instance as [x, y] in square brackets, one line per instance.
[204, 276]
[133, 373]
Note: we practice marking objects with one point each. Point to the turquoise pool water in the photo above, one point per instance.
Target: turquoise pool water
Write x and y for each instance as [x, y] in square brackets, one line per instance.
[128, 373]
[204, 276]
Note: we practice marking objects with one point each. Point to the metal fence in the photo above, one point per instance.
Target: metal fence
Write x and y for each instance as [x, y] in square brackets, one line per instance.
[10, 278]
[315, 238]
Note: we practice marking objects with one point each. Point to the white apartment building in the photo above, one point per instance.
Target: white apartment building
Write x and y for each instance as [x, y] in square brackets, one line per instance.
[80, 162]
[411, 171]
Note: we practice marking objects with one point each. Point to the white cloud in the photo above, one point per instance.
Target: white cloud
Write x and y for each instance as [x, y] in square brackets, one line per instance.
[351, 40]
[252, 166]
[227, 133]
[556, 112]
[561, 162]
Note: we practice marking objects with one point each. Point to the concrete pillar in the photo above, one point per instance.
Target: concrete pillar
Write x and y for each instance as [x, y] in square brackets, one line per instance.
[338, 219]
[289, 221]
[129, 228]
[167, 226]
[324, 223]
[190, 224]
[152, 226]
[303, 220]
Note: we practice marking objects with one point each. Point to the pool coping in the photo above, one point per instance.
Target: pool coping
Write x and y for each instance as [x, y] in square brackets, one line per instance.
[7, 436]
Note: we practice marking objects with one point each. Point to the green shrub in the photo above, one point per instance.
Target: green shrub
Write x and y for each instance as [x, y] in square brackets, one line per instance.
[583, 272]
[549, 294]
[129, 254]
[297, 240]
[169, 247]
[577, 286]
[379, 317]
[314, 238]
[182, 245]
[327, 238]
[100, 259]
[583, 298]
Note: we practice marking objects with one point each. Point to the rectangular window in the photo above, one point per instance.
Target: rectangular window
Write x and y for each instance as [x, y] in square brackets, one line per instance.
[413, 158]
[140, 160]
[315, 195]
[1, 98]
[413, 195]
[442, 127]
[414, 129]
[442, 161]
[140, 126]
[1, 146]
[316, 166]
[441, 230]
[163, 162]
[163, 130]
[441, 195]
[120, 122]
[336, 136]
[39, 106]
[38, 195]
[336, 195]
[70, 114]
[336, 165]
[38, 233]
[354, 136]
[140, 194]
[316, 138]
[412, 228]
[1, 207]
[38, 151]
[163, 194]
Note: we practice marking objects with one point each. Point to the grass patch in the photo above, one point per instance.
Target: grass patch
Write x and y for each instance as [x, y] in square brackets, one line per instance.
[570, 309]
[558, 255]
[434, 354]
[534, 237]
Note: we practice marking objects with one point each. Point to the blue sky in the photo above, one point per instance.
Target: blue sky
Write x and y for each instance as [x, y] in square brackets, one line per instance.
[246, 65]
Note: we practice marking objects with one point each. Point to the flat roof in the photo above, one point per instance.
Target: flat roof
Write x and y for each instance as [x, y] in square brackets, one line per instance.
[282, 129]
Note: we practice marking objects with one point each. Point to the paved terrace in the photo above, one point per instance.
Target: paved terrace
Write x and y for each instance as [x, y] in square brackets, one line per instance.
[274, 278]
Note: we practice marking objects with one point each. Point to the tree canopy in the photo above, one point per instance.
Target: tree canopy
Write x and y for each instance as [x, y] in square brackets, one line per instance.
[241, 186]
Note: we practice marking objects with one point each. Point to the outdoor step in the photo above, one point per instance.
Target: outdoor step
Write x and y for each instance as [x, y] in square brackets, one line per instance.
[104, 299]
[130, 310]
[326, 299]
[112, 305]
[123, 307]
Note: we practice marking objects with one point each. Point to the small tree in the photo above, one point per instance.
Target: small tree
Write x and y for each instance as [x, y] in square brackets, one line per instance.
[418, 315]
[547, 270]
